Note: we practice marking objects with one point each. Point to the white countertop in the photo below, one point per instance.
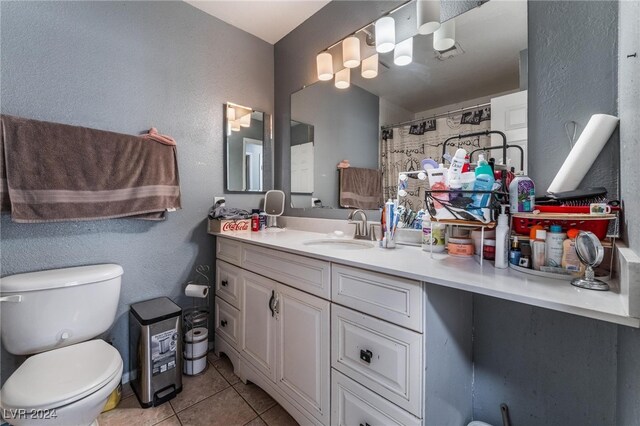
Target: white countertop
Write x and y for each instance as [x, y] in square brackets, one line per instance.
[464, 274]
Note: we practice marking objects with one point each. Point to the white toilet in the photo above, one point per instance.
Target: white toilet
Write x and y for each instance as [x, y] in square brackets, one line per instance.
[53, 314]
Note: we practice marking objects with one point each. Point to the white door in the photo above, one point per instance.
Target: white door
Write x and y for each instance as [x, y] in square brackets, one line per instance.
[302, 168]
[258, 337]
[303, 350]
[509, 115]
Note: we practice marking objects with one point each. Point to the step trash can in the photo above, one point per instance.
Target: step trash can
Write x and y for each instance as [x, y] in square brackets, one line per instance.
[155, 349]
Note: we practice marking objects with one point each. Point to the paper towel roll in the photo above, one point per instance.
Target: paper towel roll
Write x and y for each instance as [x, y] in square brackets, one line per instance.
[195, 290]
[584, 153]
[196, 334]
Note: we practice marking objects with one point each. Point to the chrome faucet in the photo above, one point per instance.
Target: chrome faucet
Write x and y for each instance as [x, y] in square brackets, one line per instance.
[362, 233]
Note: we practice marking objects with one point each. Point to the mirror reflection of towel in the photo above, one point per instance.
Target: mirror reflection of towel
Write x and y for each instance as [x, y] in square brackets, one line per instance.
[361, 188]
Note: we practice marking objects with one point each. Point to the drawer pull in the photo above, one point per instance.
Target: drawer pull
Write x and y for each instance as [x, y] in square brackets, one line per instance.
[271, 303]
[365, 424]
[223, 323]
[224, 283]
[366, 355]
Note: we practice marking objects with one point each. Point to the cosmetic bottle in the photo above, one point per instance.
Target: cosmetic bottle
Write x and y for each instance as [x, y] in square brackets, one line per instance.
[514, 254]
[484, 182]
[502, 240]
[538, 248]
[570, 260]
[554, 240]
[522, 197]
[457, 163]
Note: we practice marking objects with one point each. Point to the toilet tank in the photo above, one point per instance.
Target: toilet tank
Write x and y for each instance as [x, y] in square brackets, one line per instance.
[45, 310]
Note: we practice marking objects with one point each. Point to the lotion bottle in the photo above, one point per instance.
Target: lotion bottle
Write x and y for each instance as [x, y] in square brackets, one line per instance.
[457, 163]
[538, 249]
[502, 240]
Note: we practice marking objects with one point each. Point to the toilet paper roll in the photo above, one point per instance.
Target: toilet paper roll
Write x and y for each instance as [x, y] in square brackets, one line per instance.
[195, 290]
[197, 334]
[584, 153]
[194, 366]
[196, 350]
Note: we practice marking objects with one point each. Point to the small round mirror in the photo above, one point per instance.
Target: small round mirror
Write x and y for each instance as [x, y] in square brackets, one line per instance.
[590, 252]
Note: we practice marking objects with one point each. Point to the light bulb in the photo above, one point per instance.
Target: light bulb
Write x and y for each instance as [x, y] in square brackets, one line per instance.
[385, 34]
[351, 52]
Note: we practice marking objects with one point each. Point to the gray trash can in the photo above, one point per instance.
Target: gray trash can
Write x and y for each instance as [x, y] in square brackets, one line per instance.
[155, 349]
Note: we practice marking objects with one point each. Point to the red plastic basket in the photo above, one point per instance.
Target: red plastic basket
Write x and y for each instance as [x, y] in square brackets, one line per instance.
[522, 225]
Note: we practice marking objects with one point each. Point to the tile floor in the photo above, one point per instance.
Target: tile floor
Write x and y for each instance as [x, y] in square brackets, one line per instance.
[217, 397]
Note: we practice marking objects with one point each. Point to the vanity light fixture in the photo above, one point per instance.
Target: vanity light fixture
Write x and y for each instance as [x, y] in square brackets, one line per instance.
[245, 120]
[231, 113]
[343, 78]
[370, 66]
[445, 37]
[351, 52]
[428, 16]
[324, 63]
[385, 34]
[403, 54]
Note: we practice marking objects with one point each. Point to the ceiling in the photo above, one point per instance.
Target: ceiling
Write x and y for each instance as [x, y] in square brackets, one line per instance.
[269, 20]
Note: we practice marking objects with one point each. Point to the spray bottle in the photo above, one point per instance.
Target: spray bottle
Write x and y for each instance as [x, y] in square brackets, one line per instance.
[502, 240]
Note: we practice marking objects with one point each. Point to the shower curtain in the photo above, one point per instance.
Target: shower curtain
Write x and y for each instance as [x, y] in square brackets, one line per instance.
[403, 148]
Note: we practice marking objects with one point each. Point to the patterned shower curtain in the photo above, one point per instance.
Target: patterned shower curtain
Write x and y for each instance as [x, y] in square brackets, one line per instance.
[403, 148]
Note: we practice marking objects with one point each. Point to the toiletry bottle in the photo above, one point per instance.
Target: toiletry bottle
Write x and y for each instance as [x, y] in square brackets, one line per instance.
[457, 163]
[522, 197]
[525, 254]
[263, 220]
[533, 230]
[554, 240]
[255, 220]
[502, 240]
[514, 254]
[467, 164]
[455, 185]
[438, 182]
[538, 249]
[570, 260]
[484, 182]
[433, 234]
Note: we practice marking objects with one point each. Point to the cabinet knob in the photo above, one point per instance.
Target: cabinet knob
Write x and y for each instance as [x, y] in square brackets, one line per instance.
[224, 283]
[223, 323]
[366, 355]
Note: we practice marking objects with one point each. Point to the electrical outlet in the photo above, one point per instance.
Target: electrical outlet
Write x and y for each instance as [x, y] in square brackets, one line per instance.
[218, 200]
[313, 201]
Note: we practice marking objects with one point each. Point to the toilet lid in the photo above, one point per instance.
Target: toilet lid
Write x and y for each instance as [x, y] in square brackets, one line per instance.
[61, 376]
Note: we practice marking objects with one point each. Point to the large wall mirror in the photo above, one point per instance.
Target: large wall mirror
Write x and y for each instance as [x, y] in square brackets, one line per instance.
[395, 120]
[248, 150]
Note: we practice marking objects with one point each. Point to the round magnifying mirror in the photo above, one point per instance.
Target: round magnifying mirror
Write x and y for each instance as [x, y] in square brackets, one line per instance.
[590, 252]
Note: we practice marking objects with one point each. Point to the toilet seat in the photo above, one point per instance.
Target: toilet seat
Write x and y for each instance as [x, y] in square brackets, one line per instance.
[62, 376]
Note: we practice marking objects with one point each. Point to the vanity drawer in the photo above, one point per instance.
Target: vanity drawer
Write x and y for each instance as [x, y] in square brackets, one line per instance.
[228, 283]
[353, 404]
[393, 299]
[381, 356]
[227, 322]
[306, 274]
[229, 250]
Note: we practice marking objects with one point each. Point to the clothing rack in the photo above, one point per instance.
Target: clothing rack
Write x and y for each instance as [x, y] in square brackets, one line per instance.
[443, 114]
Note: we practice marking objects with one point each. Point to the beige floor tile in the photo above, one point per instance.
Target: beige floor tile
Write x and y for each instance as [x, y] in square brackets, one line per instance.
[225, 408]
[171, 421]
[225, 367]
[197, 388]
[277, 416]
[212, 357]
[126, 390]
[256, 422]
[256, 397]
[129, 412]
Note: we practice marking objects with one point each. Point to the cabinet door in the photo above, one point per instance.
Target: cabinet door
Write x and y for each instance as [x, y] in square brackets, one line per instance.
[258, 336]
[303, 350]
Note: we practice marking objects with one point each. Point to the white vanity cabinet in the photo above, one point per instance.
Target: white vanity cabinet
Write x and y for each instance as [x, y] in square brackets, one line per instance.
[339, 345]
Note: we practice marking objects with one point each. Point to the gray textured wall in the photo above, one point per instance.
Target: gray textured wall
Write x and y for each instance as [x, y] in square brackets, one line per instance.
[551, 368]
[327, 109]
[127, 66]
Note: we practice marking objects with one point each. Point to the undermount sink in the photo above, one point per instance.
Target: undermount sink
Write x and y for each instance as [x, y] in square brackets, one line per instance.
[341, 244]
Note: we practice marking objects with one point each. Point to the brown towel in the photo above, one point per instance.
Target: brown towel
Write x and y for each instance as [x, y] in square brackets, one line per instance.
[361, 188]
[55, 172]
